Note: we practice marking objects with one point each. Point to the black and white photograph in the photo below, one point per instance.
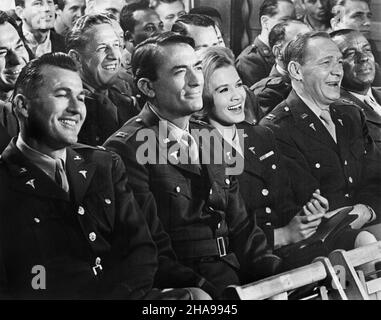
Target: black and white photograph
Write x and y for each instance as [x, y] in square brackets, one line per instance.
[208, 151]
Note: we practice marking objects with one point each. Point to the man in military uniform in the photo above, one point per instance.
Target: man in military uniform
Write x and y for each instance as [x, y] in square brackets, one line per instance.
[255, 62]
[275, 88]
[13, 57]
[359, 73]
[197, 202]
[357, 15]
[95, 47]
[66, 209]
[317, 14]
[326, 145]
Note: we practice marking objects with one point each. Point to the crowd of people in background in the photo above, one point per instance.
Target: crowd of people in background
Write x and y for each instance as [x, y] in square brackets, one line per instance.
[107, 180]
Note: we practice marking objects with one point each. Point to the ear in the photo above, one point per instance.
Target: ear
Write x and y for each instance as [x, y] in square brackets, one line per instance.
[145, 85]
[264, 20]
[21, 105]
[75, 55]
[128, 36]
[20, 12]
[334, 21]
[294, 70]
[277, 51]
[58, 11]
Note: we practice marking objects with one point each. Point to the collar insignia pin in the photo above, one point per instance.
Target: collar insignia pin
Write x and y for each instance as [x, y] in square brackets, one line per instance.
[31, 183]
[84, 173]
[312, 126]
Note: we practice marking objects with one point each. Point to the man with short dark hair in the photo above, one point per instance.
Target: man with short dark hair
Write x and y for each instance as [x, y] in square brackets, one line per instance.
[255, 62]
[275, 88]
[139, 22]
[200, 28]
[359, 72]
[324, 141]
[317, 14]
[197, 202]
[66, 209]
[205, 34]
[169, 11]
[68, 11]
[95, 47]
[13, 57]
[37, 21]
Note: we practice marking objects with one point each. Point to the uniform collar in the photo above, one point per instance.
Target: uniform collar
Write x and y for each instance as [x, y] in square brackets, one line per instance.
[44, 162]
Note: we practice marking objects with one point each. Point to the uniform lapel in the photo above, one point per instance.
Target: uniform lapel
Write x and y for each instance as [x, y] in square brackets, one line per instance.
[308, 122]
[370, 114]
[80, 173]
[28, 178]
[252, 151]
[342, 129]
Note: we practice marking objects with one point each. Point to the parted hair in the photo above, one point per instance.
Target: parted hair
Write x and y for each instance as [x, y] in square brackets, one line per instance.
[148, 55]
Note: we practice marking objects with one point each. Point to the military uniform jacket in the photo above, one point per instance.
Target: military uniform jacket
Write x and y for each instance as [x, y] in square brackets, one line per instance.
[373, 119]
[200, 208]
[264, 182]
[106, 112]
[93, 243]
[255, 62]
[272, 90]
[8, 124]
[347, 173]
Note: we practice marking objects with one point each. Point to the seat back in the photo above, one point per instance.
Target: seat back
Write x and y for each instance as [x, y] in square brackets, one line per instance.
[279, 286]
[350, 267]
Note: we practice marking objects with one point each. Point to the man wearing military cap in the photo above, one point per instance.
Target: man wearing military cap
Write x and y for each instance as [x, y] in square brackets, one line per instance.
[197, 201]
[325, 142]
[273, 89]
[359, 73]
[69, 225]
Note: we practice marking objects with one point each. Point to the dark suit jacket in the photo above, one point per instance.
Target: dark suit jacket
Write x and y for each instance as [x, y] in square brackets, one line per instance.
[347, 173]
[272, 90]
[255, 62]
[42, 225]
[264, 183]
[373, 119]
[196, 205]
[8, 124]
[106, 112]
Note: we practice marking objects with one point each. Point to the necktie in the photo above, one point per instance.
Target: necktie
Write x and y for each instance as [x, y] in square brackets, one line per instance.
[373, 104]
[325, 116]
[61, 177]
[189, 143]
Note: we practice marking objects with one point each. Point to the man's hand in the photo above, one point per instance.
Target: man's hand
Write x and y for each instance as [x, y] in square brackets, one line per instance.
[364, 215]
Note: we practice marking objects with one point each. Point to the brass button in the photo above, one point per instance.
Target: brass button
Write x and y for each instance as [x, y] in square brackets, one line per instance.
[350, 179]
[81, 211]
[178, 189]
[227, 181]
[265, 192]
[92, 236]
[268, 210]
[317, 166]
[273, 166]
[345, 162]
[108, 201]
[37, 220]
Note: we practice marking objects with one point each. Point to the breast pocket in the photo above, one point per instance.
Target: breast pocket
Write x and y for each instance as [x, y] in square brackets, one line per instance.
[174, 200]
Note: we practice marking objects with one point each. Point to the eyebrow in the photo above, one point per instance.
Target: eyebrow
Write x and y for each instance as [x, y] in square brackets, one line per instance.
[183, 66]
[225, 85]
